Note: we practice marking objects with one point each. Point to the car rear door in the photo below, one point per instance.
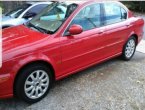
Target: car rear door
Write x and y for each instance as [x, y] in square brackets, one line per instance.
[117, 27]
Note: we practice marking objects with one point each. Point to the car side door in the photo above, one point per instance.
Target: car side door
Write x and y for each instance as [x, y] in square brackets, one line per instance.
[79, 51]
[117, 27]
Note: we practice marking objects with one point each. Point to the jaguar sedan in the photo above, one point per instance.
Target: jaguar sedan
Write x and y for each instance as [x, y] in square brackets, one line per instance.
[66, 37]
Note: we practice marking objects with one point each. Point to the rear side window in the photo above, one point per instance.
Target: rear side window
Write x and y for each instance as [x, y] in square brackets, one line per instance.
[88, 17]
[123, 14]
[114, 13]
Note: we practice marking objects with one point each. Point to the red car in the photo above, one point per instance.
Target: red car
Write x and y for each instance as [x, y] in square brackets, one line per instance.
[66, 37]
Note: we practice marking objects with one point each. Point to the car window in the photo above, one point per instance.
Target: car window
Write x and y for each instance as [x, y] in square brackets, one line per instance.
[56, 11]
[88, 18]
[36, 9]
[114, 13]
[52, 17]
[123, 13]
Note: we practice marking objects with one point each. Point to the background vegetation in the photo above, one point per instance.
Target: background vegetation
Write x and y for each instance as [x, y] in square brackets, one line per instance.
[9, 5]
[0, 4]
[138, 6]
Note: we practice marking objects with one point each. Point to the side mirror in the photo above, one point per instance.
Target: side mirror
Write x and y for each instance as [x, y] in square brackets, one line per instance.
[29, 15]
[75, 29]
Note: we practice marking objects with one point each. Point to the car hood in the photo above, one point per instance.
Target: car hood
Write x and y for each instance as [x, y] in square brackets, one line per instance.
[10, 21]
[17, 37]
[5, 18]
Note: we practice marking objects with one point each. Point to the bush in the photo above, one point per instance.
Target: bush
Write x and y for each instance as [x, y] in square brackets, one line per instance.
[10, 5]
[138, 6]
[0, 4]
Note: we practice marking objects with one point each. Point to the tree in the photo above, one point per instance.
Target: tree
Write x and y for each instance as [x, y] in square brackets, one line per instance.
[9, 5]
[135, 5]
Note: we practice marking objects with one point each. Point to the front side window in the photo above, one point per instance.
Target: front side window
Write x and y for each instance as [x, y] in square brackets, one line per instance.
[52, 17]
[114, 13]
[123, 14]
[88, 17]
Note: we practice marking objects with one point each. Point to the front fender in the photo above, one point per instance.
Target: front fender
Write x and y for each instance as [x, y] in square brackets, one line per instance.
[21, 62]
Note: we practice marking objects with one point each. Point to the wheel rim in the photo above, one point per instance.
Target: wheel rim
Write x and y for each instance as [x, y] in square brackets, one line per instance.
[130, 48]
[36, 84]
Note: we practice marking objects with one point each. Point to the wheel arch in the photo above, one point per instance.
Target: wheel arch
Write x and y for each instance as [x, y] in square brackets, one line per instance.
[134, 35]
[49, 65]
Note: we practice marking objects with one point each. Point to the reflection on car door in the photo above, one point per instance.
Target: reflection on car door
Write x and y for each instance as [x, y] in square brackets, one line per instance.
[71, 52]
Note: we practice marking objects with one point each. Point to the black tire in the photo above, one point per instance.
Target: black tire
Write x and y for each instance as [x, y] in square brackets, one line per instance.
[21, 80]
[124, 55]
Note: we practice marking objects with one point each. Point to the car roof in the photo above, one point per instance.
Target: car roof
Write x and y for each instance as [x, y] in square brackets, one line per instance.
[75, 1]
[33, 3]
[79, 2]
[88, 1]
[49, 2]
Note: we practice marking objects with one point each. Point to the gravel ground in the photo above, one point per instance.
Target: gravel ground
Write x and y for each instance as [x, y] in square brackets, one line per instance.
[113, 85]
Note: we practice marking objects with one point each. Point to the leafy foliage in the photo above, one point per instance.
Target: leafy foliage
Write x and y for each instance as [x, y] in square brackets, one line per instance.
[0, 4]
[138, 6]
[10, 5]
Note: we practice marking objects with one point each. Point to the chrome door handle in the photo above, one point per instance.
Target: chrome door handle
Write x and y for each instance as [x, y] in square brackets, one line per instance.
[127, 25]
[101, 32]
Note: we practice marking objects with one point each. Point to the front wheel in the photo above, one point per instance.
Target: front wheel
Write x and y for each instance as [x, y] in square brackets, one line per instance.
[129, 49]
[33, 83]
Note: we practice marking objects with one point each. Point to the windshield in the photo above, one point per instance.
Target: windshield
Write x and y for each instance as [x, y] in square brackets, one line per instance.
[52, 17]
[18, 11]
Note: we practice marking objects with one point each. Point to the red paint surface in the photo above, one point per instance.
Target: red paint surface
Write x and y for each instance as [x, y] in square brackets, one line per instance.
[66, 54]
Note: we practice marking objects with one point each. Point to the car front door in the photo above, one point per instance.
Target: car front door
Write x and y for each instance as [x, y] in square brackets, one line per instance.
[84, 49]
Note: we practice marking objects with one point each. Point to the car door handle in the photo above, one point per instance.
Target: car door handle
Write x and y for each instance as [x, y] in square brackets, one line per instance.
[101, 32]
[128, 25]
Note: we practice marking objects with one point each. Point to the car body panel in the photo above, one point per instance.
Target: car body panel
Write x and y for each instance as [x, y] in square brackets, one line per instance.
[66, 54]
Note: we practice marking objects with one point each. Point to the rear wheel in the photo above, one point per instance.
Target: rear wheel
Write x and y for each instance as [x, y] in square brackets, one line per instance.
[129, 49]
[33, 83]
